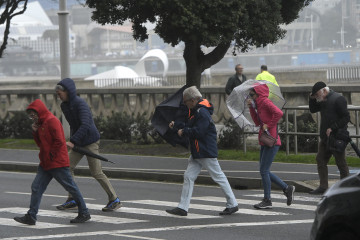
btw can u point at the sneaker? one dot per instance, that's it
(289, 193)
(69, 204)
(229, 211)
(318, 191)
(177, 211)
(27, 219)
(81, 218)
(264, 204)
(112, 205)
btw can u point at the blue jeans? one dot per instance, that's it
(42, 180)
(267, 155)
(193, 169)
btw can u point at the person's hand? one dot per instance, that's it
(265, 127)
(180, 132)
(70, 144)
(34, 127)
(171, 124)
(328, 131)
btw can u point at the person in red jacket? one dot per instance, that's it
(266, 115)
(54, 163)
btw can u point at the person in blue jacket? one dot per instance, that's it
(83, 133)
(201, 132)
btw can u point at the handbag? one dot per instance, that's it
(338, 142)
(267, 139)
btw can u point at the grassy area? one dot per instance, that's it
(168, 151)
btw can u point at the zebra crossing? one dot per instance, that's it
(133, 211)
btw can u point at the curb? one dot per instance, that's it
(238, 183)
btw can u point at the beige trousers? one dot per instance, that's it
(95, 168)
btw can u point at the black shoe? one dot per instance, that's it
(319, 190)
(229, 211)
(264, 204)
(81, 218)
(27, 219)
(177, 211)
(289, 193)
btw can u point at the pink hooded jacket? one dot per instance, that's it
(266, 111)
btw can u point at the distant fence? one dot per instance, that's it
(151, 81)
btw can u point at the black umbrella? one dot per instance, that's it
(171, 109)
(90, 154)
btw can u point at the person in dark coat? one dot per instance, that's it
(334, 118)
(201, 132)
(83, 133)
(54, 163)
(236, 79)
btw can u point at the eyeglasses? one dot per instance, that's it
(252, 94)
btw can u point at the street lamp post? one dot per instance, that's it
(311, 31)
(64, 52)
(64, 40)
(342, 32)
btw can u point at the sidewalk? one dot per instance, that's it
(241, 174)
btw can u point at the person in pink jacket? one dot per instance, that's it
(266, 115)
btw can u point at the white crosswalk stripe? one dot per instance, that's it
(252, 202)
(39, 225)
(71, 215)
(281, 196)
(151, 212)
(204, 207)
(209, 207)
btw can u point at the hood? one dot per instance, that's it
(262, 90)
(206, 104)
(40, 108)
(69, 85)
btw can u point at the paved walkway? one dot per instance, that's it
(241, 174)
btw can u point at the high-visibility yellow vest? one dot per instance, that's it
(265, 75)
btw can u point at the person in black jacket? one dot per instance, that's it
(83, 133)
(236, 79)
(201, 132)
(334, 118)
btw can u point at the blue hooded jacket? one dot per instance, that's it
(201, 131)
(82, 127)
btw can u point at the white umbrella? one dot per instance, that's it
(237, 105)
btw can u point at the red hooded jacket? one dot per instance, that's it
(266, 111)
(50, 138)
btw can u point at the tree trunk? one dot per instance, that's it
(192, 60)
(196, 61)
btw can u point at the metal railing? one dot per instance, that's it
(354, 113)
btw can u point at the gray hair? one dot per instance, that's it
(191, 93)
(59, 87)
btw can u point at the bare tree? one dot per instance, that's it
(10, 9)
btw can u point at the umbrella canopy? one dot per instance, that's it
(171, 109)
(237, 105)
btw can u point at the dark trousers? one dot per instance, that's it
(42, 180)
(322, 158)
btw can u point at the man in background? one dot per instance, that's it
(235, 80)
(265, 75)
